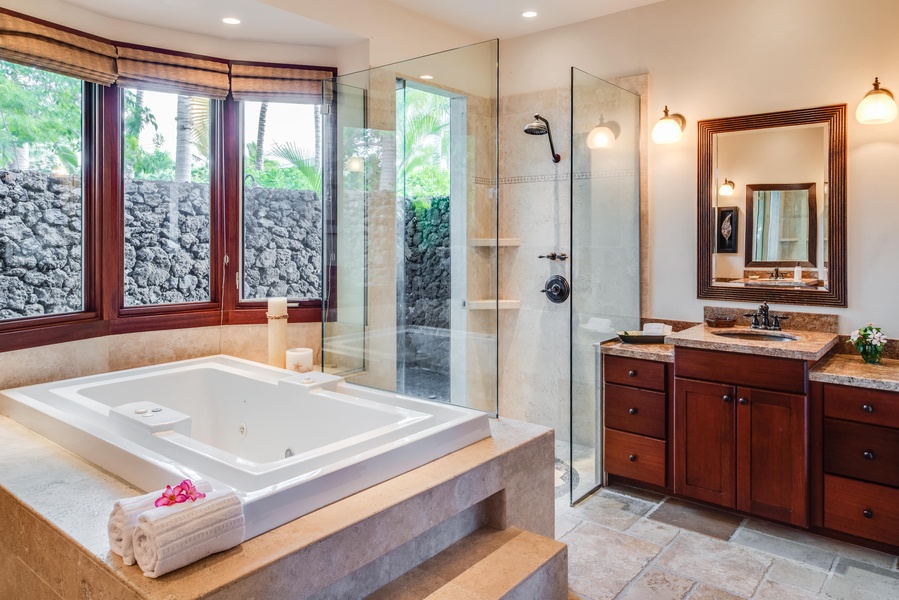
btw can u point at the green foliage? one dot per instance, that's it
(423, 137)
(40, 111)
(299, 172)
(155, 165)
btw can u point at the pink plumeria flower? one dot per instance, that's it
(191, 491)
(171, 496)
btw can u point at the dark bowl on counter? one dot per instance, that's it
(721, 321)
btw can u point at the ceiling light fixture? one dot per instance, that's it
(727, 188)
(428, 77)
(878, 106)
(529, 14)
(231, 21)
(669, 129)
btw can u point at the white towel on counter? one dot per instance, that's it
(170, 537)
(123, 519)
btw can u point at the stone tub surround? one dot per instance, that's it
(811, 345)
(125, 351)
(852, 370)
(657, 352)
(53, 524)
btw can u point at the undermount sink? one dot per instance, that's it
(760, 336)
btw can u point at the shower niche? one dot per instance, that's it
(410, 301)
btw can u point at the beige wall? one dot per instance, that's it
(720, 58)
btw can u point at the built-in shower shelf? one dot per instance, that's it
(494, 304)
(490, 242)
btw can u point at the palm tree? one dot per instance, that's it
(260, 136)
(184, 135)
(304, 162)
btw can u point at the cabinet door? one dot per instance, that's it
(704, 438)
(772, 455)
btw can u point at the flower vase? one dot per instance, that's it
(871, 353)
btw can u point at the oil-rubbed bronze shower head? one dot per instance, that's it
(540, 126)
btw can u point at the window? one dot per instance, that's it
(281, 238)
(166, 148)
(41, 208)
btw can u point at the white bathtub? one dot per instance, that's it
(288, 444)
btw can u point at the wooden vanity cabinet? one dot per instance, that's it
(861, 470)
(635, 409)
(740, 431)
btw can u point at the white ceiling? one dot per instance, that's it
(261, 22)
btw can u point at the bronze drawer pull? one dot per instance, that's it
(727, 398)
(868, 513)
(632, 373)
(744, 401)
(868, 408)
(632, 458)
(868, 454)
(632, 411)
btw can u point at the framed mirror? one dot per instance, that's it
(795, 214)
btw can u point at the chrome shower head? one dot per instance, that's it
(540, 126)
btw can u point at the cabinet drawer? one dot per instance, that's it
(863, 509)
(751, 370)
(635, 410)
(635, 372)
(635, 457)
(861, 451)
(863, 405)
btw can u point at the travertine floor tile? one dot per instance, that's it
(708, 521)
(705, 592)
(771, 590)
(855, 580)
(565, 523)
(653, 531)
(601, 561)
(624, 490)
(658, 585)
(731, 568)
(797, 575)
(879, 559)
(612, 510)
(809, 555)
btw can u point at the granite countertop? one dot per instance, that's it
(811, 345)
(850, 369)
(656, 352)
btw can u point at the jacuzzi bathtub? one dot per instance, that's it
(287, 443)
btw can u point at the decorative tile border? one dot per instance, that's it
(567, 176)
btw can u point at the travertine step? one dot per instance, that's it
(489, 564)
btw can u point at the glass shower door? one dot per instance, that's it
(410, 285)
(605, 243)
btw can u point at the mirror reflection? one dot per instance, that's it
(781, 225)
(771, 198)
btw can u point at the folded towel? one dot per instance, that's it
(656, 329)
(170, 537)
(124, 516)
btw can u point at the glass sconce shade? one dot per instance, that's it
(669, 129)
(878, 106)
(600, 137)
(727, 188)
(355, 164)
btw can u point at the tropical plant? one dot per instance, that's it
(299, 172)
(40, 115)
(423, 137)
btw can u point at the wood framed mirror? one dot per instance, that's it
(781, 225)
(778, 149)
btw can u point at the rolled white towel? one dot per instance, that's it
(123, 519)
(170, 537)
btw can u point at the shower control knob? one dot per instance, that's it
(556, 289)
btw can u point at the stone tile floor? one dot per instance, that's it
(635, 545)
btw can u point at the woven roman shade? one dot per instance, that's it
(161, 72)
(277, 84)
(32, 44)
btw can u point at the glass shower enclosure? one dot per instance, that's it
(605, 254)
(410, 274)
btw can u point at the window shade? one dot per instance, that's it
(157, 71)
(277, 84)
(32, 44)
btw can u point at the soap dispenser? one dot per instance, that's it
(797, 273)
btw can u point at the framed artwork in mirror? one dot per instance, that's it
(726, 230)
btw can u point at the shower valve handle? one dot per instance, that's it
(554, 256)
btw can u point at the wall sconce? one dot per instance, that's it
(878, 106)
(669, 129)
(355, 164)
(602, 136)
(727, 188)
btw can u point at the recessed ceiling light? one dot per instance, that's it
(231, 21)
(427, 77)
(529, 14)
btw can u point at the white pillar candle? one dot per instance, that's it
(299, 360)
(277, 331)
